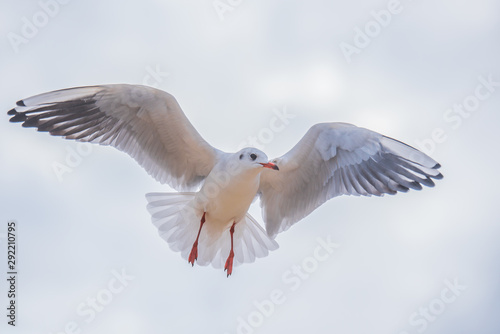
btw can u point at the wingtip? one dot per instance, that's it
(438, 177)
(20, 103)
(18, 118)
(402, 188)
(30, 122)
(436, 166)
(416, 185)
(12, 111)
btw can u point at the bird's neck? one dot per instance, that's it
(233, 182)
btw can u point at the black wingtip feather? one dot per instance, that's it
(438, 177)
(18, 118)
(30, 123)
(437, 166)
(402, 188)
(20, 103)
(415, 185)
(12, 111)
(428, 182)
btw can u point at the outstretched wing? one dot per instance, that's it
(335, 159)
(144, 122)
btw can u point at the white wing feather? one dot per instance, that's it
(335, 159)
(144, 122)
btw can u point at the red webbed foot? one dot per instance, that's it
(229, 261)
(194, 251)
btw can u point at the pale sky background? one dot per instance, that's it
(395, 253)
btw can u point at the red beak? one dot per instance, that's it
(270, 165)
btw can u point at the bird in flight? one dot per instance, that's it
(207, 221)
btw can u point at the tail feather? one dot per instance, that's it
(178, 224)
(164, 210)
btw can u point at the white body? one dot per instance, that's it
(226, 200)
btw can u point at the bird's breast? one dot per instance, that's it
(227, 199)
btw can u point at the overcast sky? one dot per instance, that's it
(424, 72)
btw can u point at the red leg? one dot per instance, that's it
(194, 251)
(229, 261)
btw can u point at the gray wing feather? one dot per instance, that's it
(144, 122)
(335, 159)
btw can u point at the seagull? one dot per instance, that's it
(207, 220)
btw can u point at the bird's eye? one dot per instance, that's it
(241, 156)
(253, 156)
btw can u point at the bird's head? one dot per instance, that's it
(254, 158)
